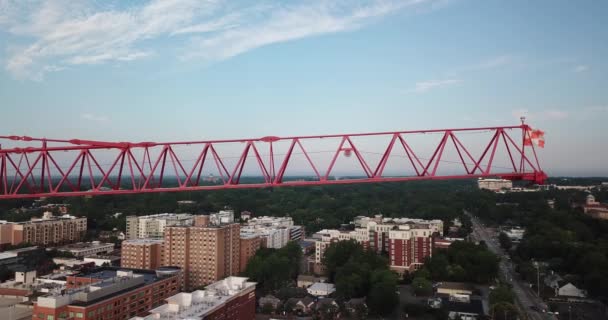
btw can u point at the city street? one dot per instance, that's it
(524, 295)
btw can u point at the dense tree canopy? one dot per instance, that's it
(313, 207)
(360, 273)
(273, 269)
(462, 261)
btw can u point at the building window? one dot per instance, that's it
(50, 317)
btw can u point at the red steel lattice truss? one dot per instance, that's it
(35, 172)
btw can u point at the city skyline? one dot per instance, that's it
(192, 70)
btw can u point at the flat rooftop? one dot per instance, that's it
(144, 241)
(197, 304)
(108, 276)
(85, 245)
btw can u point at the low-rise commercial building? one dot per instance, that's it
(231, 298)
(321, 289)
(85, 249)
(109, 293)
(102, 261)
(494, 184)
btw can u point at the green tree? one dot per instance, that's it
(326, 311)
(505, 241)
(383, 298)
(267, 308)
(501, 294)
(422, 286)
(359, 311)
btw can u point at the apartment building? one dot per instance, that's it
(153, 226)
(379, 227)
(407, 241)
(231, 298)
(408, 248)
(275, 231)
(109, 293)
(325, 238)
(44, 231)
(206, 254)
(249, 245)
(142, 253)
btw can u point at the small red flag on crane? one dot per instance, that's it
(536, 137)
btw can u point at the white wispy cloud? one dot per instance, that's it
(581, 68)
(94, 117)
(424, 86)
(597, 108)
(68, 33)
(494, 62)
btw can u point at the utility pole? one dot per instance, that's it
(537, 278)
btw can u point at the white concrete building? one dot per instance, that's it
(202, 304)
(321, 289)
(569, 290)
(153, 226)
(103, 260)
(222, 217)
(494, 184)
(515, 234)
(276, 231)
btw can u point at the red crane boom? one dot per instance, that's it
(35, 171)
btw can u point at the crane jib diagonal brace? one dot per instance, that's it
(37, 171)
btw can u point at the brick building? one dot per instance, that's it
(408, 248)
(248, 247)
(109, 293)
(44, 231)
(142, 253)
(407, 241)
(231, 298)
(206, 254)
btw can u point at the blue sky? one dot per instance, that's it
(191, 69)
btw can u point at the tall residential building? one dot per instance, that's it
(249, 245)
(325, 238)
(407, 241)
(109, 293)
(231, 298)
(44, 231)
(408, 248)
(380, 226)
(142, 253)
(153, 226)
(206, 254)
(276, 231)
